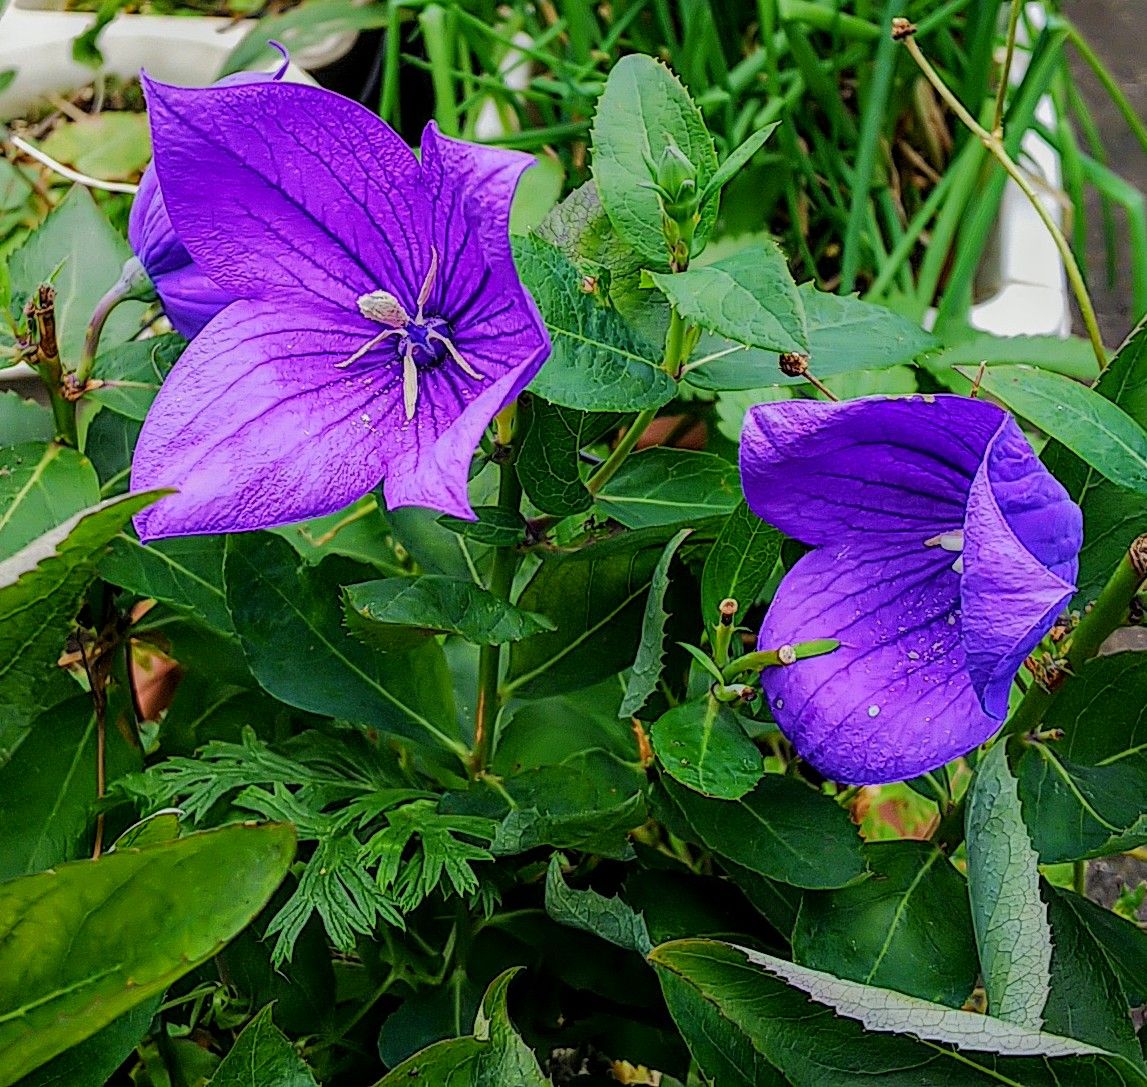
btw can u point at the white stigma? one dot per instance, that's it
(409, 381)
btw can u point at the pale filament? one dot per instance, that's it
(950, 541)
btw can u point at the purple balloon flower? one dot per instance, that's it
(380, 324)
(190, 297)
(943, 551)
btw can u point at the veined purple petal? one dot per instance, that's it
(284, 192)
(256, 426)
(190, 299)
(1022, 535)
(895, 699)
(149, 230)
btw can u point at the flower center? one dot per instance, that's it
(950, 541)
(424, 342)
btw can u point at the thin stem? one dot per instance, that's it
(620, 451)
(1005, 74)
(67, 172)
(994, 145)
(1079, 878)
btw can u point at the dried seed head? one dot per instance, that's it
(793, 363)
(1137, 553)
(728, 611)
(902, 28)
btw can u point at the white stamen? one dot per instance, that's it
(455, 354)
(384, 308)
(409, 381)
(428, 282)
(367, 346)
(949, 541)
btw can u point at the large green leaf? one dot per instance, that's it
(609, 918)
(1123, 942)
(820, 1031)
(80, 252)
(40, 591)
(122, 929)
(598, 362)
(391, 611)
(114, 145)
(1096, 430)
(740, 563)
(1112, 515)
(1010, 918)
(749, 298)
(23, 420)
(670, 486)
(908, 927)
(783, 830)
(702, 745)
(262, 1057)
(644, 110)
(41, 486)
(290, 623)
(130, 375)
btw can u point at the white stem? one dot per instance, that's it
(26, 148)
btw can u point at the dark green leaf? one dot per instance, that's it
(907, 927)
(651, 651)
(1073, 356)
(1009, 916)
(40, 487)
(598, 362)
(452, 1063)
(290, 624)
(740, 563)
(670, 486)
(644, 110)
(702, 745)
(494, 526)
(783, 830)
(749, 298)
(262, 1057)
(131, 924)
(609, 918)
(130, 375)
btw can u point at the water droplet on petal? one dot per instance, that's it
(873, 711)
(913, 655)
(779, 703)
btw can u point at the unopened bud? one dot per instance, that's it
(676, 176)
(728, 611)
(793, 363)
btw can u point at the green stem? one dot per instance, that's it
(132, 283)
(1107, 614)
(1079, 878)
(436, 33)
(1005, 74)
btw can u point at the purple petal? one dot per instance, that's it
(1022, 535)
(149, 230)
(285, 192)
(190, 299)
(823, 473)
(256, 426)
(895, 699)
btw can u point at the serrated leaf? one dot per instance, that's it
(642, 111)
(1094, 428)
(127, 935)
(598, 362)
(783, 830)
(395, 610)
(822, 1031)
(646, 669)
(907, 927)
(130, 375)
(262, 1057)
(670, 486)
(749, 298)
(1009, 916)
(702, 745)
(737, 161)
(41, 486)
(740, 563)
(609, 918)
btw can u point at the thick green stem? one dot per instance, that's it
(132, 283)
(1107, 614)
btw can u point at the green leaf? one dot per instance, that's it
(646, 670)
(113, 146)
(644, 110)
(783, 829)
(1009, 916)
(185, 572)
(262, 1057)
(24, 420)
(41, 588)
(41, 486)
(451, 1063)
(1112, 515)
(48, 787)
(1073, 356)
(845, 335)
(822, 1031)
(702, 745)
(549, 464)
(609, 918)
(737, 161)
(290, 623)
(594, 598)
(494, 526)
(390, 612)
(130, 375)
(670, 486)
(1086, 999)
(598, 362)
(749, 297)
(89, 254)
(907, 927)
(1096, 430)
(740, 563)
(131, 924)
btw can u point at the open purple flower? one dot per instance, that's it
(190, 297)
(943, 551)
(380, 324)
